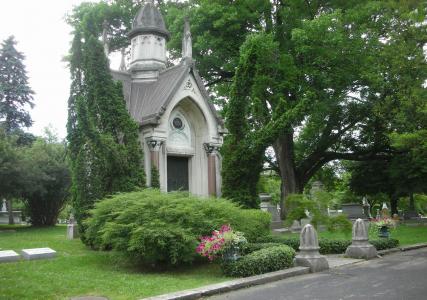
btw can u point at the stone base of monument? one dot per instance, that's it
(315, 262)
(366, 251)
(8, 256)
(72, 231)
(38, 253)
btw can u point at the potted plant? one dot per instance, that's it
(383, 226)
(224, 242)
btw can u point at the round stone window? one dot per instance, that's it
(177, 123)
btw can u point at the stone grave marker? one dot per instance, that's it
(38, 253)
(72, 229)
(309, 255)
(360, 246)
(8, 256)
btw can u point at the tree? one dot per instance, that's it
(46, 180)
(15, 94)
(11, 170)
(104, 149)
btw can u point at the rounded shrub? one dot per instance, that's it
(163, 229)
(262, 261)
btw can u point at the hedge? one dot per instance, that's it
(163, 229)
(328, 246)
(261, 261)
(383, 244)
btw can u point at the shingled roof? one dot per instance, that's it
(147, 101)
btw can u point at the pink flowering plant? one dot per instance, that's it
(384, 222)
(220, 242)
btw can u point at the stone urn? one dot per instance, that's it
(384, 232)
(231, 253)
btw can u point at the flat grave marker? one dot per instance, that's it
(38, 253)
(8, 256)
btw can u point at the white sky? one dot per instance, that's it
(44, 38)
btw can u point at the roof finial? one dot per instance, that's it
(187, 47)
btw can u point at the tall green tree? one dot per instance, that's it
(104, 149)
(46, 179)
(15, 98)
(15, 94)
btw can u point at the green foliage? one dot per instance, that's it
(261, 261)
(15, 94)
(248, 248)
(340, 223)
(104, 149)
(328, 246)
(317, 207)
(163, 229)
(382, 244)
(155, 179)
(11, 169)
(46, 181)
(270, 184)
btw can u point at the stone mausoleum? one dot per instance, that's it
(179, 128)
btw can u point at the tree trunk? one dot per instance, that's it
(10, 207)
(290, 183)
(394, 199)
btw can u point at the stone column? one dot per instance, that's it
(154, 145)
(211, 153)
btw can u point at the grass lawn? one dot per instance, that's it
(78, 271)
(407, 235)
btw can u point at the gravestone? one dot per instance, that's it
(72, 229)
(38, 253)
(360, 246)
(296, 226)
(267, 206)
(366, 208)
(8, 256)
(4, 207)
(309, 255)
(353, 210)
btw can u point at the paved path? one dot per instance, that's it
(400, 276)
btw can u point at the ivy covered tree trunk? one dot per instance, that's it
(290, 183)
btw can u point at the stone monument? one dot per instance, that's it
(366, 208)
(3, 207)
(269, 207)
(309, 255)
(360, 246)
(72, 229)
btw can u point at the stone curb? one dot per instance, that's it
(232, 285)
(413, 247)
(399, 249)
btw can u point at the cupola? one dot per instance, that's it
(148, 41)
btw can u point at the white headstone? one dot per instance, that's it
(8, 255)
(38, 253)
(3, 207)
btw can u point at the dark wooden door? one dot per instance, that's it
(177, 173)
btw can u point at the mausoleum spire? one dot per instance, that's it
(187, 46)
(148, 43)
